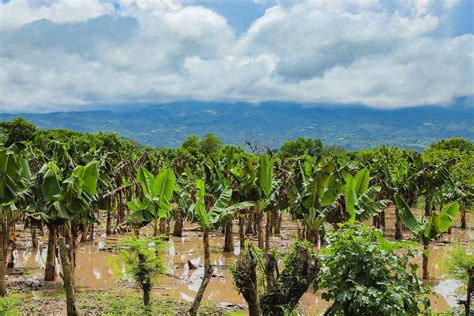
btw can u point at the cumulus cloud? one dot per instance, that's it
(62, 54)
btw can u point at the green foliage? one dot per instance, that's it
(143, 258)
(435, 225)
(300, 147)
(155, 202)
(221, 209)
(360, 198)
(9, 306)
(14, 172)
(17, 130)
(365, 274)
(460, 262)
(208, 145)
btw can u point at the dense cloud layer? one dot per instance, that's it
(67, 53)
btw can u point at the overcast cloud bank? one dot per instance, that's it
(66, 53)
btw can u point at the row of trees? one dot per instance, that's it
(70, 181)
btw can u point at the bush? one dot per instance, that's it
(143, 260)
(365, 274)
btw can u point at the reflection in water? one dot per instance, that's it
(94, 267)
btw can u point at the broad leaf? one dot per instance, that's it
(407, 216)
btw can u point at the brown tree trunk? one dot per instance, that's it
(246, 281)
(92, 233)
(260, 235)
(67, 278)
(268, 231)
(162, 226)
(34, 239)
(250, 219)
(146, 283)
(470, 292)
(3, 254)
(398, 226)
(241, 232)
(279, 220)
(425, 260)
(178, 225)
(463, 217)
(50, 271)
(11, 246)
(108, 225)
(84, 233)
(207, 275)
(228, 238)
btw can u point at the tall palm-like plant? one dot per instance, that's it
(155, 201)
(432, 226)
(14, 171)
(208, 217)
(360, 197)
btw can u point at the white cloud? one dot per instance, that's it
(19, 12)
(154, 51)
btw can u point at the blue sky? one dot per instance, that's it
(74, 54)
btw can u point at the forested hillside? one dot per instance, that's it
(270, 123)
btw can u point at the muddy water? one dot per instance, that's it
(98, 269)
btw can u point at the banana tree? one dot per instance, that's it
(431, 227)
(209, 217)
(402, 178)
(360, 198)
(155, 201)
(14, 171)
(264, 186)
(71, 201)
(317, 188)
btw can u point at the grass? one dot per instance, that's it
(97, 303)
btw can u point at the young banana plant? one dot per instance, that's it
(433, 226)
(360, 198)
(208, 219)
(157, 194)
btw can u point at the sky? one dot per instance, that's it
(60, 55)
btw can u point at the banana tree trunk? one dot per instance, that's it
(268, 231)
(50, 271)
(11, 246)
(207, 275)
(250, 220)
(178, 225)
(425, 259)
(108, 225)
(3, 254)
(241, 232)
(463, 216)
(162, 226)
(398, 226)
(84, 233)
(278, 221)
(260, 235)
(34, 239)
(228, 238)
(67, 278)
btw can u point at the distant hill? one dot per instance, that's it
(354, 127)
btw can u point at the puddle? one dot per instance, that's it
(95, 269)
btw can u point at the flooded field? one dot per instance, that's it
(98, 267)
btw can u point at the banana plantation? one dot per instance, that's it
(96, 224)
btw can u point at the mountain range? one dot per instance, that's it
(270, 123)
